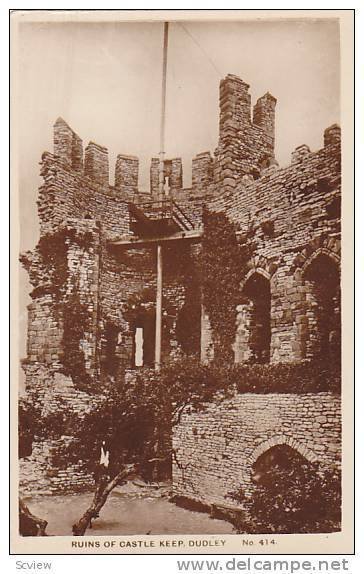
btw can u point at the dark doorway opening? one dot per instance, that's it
(324, 308)
(257, 290)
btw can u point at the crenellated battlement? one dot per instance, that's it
(173, 176)
(67, 145)
(264, 114)
(244, 153)
(93, 162)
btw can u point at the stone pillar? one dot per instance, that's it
(176, 175)
(126, 174)
(299, 154)
(97, 163)
(154, 177)
(332, 135)
(62, 141)
(202, 170)
(67, 145)
(264, 114)
(287, 302)
(242, 351)
(235, 104)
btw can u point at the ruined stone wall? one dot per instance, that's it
(291, 215)
(75, 194)
(44, 333)
(39, 475)
(287, 213)
(245, 147)
(215, 449)
(64, 264)
(51, 392)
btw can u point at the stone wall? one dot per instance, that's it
(202, 171)
(82, 199)
(126, 174)
(292, 216)
(173, 177)
(245, 147)
(215, 449)
(44, 333)
(53, 393)
(39, 475)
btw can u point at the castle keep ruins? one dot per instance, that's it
(96, 259)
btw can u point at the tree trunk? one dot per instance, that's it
(103, 489)
(29, 524)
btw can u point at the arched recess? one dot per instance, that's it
(253, 334)
(321, 252)
(279, 462)
(321, 276)
(320, 245)
(252, 271)
(262, 265)
(281, 440)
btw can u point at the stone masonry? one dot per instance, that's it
(290, 297)
(216, 449)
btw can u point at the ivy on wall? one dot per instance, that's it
(53, 249)
(110, 361)
(223, 266)
(68, 307)
(188, 323)
(75, 326)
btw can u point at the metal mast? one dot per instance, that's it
(158, 314)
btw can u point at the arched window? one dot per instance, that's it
(256, 317)
(322, 277)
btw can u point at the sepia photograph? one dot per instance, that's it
(183, 363)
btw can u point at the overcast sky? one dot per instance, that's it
(105, 81)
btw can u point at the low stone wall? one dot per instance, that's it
(53, 392)
(37, 474)
(215, 449)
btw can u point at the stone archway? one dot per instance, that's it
(321, 275)
(279, 440)
(280, 459)
(253, 334)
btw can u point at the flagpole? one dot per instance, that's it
(163, 114)
(158, 314)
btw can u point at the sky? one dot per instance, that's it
(104, 80)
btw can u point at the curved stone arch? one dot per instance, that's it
(317, 253)
(261, 266)
(251, 272)
(319, 246)
(278, 440)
